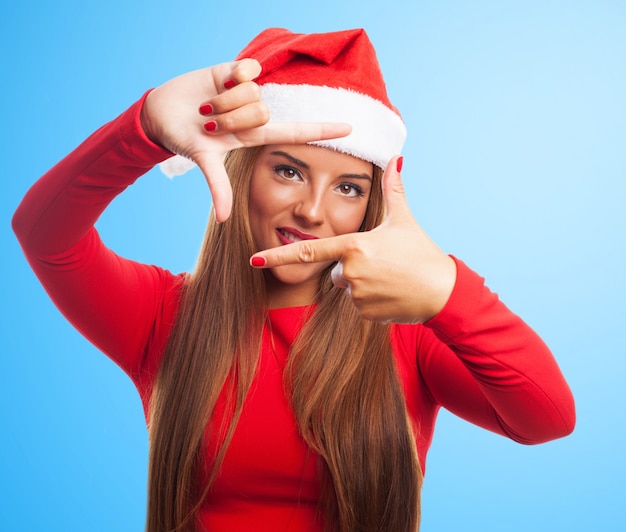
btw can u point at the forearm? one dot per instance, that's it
(523, 393)
(114, 302)
(65, 202)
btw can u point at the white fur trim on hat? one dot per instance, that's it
(177, 165)
(378, 133)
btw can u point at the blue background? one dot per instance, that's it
(515, 162)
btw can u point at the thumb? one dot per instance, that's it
(212, 166)
(394, 196)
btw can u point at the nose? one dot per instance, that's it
(310, 208)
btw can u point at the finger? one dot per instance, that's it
(304, 252)
(240, 95)
(296, 132)
(221, 191)
(240, 71)
(394, 195)
(249, 116)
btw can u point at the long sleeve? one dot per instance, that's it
(484, 363)
(480, 361)
(123, 307)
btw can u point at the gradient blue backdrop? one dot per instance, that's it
(515, 162)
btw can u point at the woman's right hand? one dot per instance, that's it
(204, 114)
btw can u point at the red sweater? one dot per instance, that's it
(475, 358)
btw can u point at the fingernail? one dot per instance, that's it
(206, 109)
(229, 84)
(257, 262)
(399, 163)
(211, 126)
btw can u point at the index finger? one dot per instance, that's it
(304, 252)
(294, 133)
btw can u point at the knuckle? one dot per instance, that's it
(253, 91)
(397, 187)
(262, 113)
(349, 273)
(227, 122)
(306, 253)
(248, 67)
(353, 269)
(252, 63)
(354, 245)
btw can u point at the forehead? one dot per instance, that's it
(318, 158)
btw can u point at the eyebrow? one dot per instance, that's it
(297, 161)
(293, 159)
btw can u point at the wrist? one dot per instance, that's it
(147, 124)
(442, 286)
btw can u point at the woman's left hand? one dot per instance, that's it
(393, 273)
(205, 113)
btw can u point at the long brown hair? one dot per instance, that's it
(346, 394)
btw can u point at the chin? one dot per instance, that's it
(299, 274)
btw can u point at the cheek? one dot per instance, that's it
(255, 201)
(260, 205)
(266, 199)
(349, 219)
(255, 216)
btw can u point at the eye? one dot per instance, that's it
(287, 172)
(350, 190)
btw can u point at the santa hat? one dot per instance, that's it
(332, 77)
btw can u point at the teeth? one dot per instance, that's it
(290, 236)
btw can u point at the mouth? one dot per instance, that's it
(289, 235)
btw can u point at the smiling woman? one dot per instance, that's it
(300, 393)
(303, 193)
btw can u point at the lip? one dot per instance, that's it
(291, 230)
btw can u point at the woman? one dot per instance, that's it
(292, 388)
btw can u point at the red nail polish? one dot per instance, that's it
(230, 84)
(211, 126)
(257, 262)
(399, 163)
(206, 109)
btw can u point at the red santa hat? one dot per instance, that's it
(329, 77)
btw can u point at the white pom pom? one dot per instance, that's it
(176, 165)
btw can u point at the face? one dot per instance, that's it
(300, 192)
